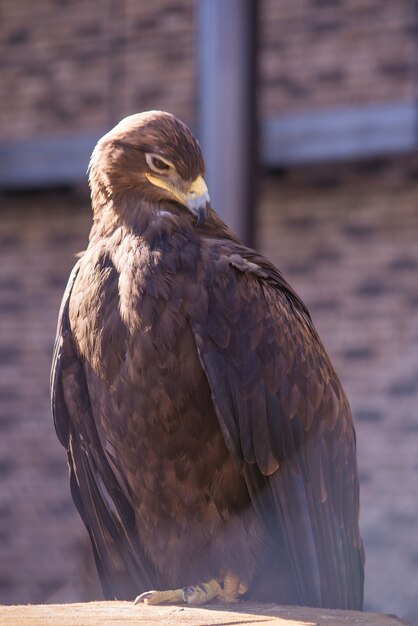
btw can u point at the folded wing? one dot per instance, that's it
(286, 422)
(103, 504)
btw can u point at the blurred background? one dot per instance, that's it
(307, 113)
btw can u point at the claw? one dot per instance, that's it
(172, 596)
(226, 589)
(201, 594)
(144, 597)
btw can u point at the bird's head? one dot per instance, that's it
(154, 155)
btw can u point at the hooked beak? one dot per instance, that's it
(195, 198)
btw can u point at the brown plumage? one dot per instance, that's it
(206, 429)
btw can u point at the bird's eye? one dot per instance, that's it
(157, 164)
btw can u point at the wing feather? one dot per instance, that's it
(97, 490)
(286, 423)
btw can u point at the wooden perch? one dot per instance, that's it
(125, 613)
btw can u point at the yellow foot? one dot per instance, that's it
(232, 587)
(226, 589)
(202, 594)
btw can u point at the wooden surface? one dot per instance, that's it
(125, 613)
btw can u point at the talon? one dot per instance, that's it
(145, 597)
(173, 596)
(243, 588)
(201, 594)
(187, 592)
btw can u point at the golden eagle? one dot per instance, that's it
(210, 443)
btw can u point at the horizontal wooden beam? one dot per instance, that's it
(125, 613)
(46, 161)
(348, 133)
(344, 133)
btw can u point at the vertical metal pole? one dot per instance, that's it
(226, 126)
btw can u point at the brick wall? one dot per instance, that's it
(328, 53)
(80, 66)
(41, 535)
